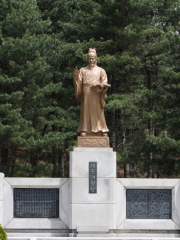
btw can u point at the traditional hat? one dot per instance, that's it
(92, 51)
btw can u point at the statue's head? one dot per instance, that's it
(92, 57)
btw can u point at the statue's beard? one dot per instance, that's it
(92, 64)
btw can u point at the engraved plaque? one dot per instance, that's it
(148, 203)
(92, 177)
(36, 203)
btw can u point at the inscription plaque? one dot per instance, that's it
(148, 203)
(92, 177)
(36, 203)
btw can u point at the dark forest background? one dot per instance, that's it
(138, 44)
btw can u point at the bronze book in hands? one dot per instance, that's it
(100, 87)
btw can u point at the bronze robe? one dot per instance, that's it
(92, 117)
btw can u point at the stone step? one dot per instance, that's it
(90, 238)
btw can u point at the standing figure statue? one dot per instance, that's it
(90, 87)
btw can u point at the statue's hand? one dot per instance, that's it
(76, 72)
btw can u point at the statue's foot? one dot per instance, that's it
(83, 134)
(104, 134)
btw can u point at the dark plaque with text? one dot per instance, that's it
(92, 177)
(148, 203)
(36, 203)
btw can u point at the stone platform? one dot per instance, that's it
(102, 214)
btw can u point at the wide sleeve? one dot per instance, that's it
(78, 84)
(104, 81)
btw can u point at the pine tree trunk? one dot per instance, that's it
(13, 156)
(54, 154)
(150, 173)
(4, 155)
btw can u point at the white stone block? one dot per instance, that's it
(51, 238)
(40, 235)
(20, 238)
(92, 149)
(8, 202)
(176, 204)
(92, 214)
(36, 182)
(97, 236)
(1, 185)
(1, 198)
(87, 228)
(162, 235)
(1, 213)
(105, 191)
(149, 224)
(105, 158)
(148, 183)
(64, 202)
(93, 231)
(120, 204)
(31, 223)
(35, 223)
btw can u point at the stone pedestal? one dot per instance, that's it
(92, 211)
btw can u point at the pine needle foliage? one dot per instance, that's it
(41, 41)
(3, 235)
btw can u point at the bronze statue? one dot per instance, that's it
(90, 87)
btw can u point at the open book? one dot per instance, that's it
(100, 87)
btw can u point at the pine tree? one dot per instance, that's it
(137, 43)
(30, 60)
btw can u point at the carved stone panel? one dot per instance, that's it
(93, 141)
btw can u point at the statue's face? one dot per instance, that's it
(92, 60)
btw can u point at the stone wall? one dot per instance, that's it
(82, 213)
